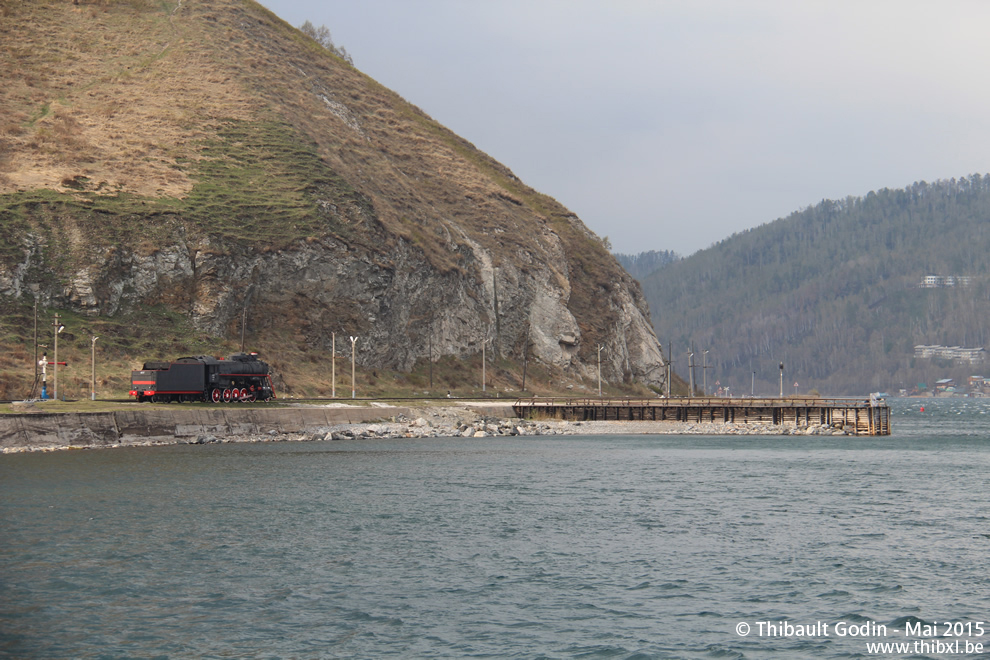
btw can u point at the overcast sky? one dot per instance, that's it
(673, 125)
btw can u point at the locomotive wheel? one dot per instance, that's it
(248, 396)
(215, 395)
(226, 396)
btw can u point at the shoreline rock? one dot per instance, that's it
(412, 423)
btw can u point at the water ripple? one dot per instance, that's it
(596, 547)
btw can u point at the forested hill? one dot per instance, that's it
(642, 264)
(835, 292)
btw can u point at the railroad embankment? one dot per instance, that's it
(30, 430)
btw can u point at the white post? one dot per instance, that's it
(93, 378)
(704, 373)
(484, 378)
(353, 351)
(333, 365)
(691, 370)
(58, 329)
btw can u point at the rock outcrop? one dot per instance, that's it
(273, 181)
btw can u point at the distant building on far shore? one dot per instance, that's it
(945, 281)
(954, 353)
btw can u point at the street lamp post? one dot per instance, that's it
(691, 371)
(704, 372)
(58, 328)
(752, 387)
(353, 351)
(333, 365)
(600, 347)
(781, 380)
(92, 382)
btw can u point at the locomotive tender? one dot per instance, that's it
(241, 377)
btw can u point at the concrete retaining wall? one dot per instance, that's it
(154, 425)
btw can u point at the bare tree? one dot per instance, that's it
(321, 35)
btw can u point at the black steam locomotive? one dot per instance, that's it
(241, 377)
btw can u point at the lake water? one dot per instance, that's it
(545, 547)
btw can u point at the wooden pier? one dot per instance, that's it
(865, 416)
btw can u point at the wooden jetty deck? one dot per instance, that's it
(863, 416)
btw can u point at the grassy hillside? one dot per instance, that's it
(833, 292)
(136, 126)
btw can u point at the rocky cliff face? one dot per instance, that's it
(302, 194)
(394, 306)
